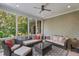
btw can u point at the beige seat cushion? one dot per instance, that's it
(30, 42)
(55, 38)
(15, 47)
(60, 40)
(22, 51)
(49, 40)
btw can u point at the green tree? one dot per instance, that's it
(22, 25)
(1, 34)
(7, 23)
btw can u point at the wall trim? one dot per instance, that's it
(62, 14)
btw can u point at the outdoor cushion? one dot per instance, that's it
(14, 47)
(30, 42)
(37, 37)
(9, 43)
(60, 40)
(19, 39)
(47, 37)
(22, 51)
(49, 40)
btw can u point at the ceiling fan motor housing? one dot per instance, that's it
(42, 8)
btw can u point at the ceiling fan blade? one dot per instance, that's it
(47, 9)
(37, 8)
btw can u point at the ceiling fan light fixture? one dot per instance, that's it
(68, 6)
(17, 6)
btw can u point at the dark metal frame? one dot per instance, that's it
(44, 50)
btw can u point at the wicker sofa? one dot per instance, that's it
(18, 42)
(58, 40)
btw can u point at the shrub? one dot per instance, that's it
(1, 34)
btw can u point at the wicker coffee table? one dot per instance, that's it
(43, 47)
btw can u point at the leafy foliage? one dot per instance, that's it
(22, 25)
(1, 34)
(8, 24)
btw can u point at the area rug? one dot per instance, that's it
(56, 51)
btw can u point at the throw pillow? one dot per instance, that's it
(47, 37)
(9, 43)
(37, 37)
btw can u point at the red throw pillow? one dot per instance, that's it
(9, 43)
(37, 37)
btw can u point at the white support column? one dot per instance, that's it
(28, 27)
(36, 26)
(16, 25)
(42, 27)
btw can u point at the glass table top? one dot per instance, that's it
(43, 45)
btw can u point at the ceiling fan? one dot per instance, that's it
(43, 8)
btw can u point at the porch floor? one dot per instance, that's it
(54, 53)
